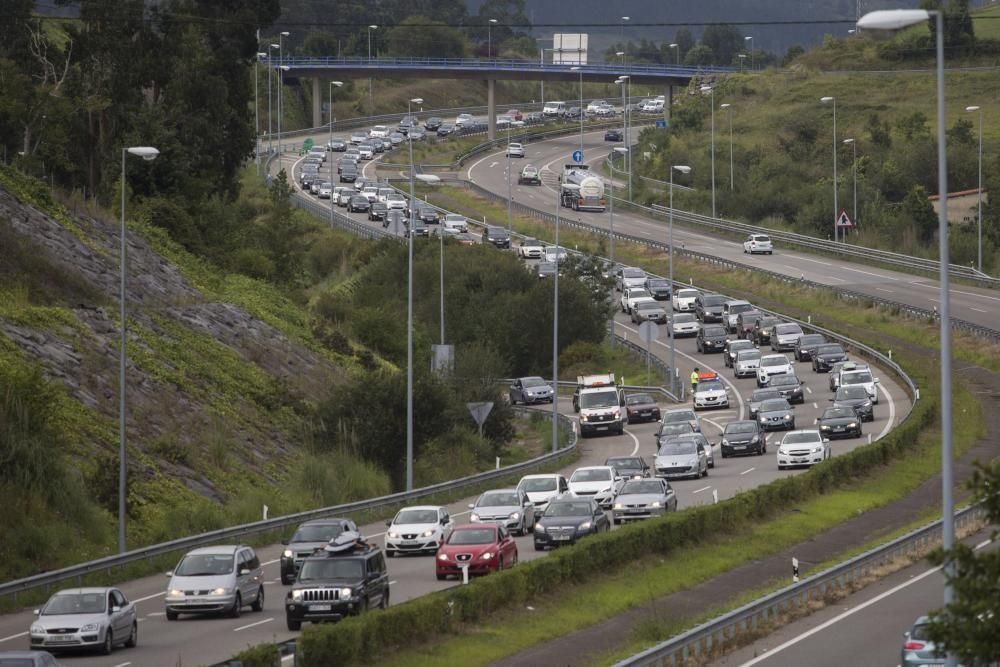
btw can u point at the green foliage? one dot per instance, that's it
(262, 655)
(917, 210)
(419, 37)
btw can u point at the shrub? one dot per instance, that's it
(263, 655)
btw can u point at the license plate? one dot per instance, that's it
(562, 538)
(646, 414)
(320, 607)
(635, 511)
(739, 446)
(62, 639)
(838, 428)
(409, 541)
(602, 428)
(800, 460)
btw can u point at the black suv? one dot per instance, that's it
(332, 586)
(711, 338)
(498, 236)
(708, 307)
(309, 537)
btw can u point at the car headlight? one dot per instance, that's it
(428, 533)
(788, 416)
(619, 506)
(90, 627)
(287, 553)
(655, 503)
(617, 414)
(817, 449)
(584, 526)
(221, 591)
(488, 555)
(442, 556)
(37, 630)
(756, 438)
(852, 425)
(539, 528)
(763, 419)
(392, 534)
(296, 595)
(583, 418)
(346, 593)
(474, 517)
(175, 593)
(824, 427)
(514, 516)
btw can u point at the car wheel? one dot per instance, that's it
(237, 609)
(109, 643)
(705, 474)
(384, 602)
(133, 639)
(172, 615)
(500, 565)
(294, 626)
(442, 577)
(617, 522)
(539, 547)
(258, 604)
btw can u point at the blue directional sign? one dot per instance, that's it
(661, 124)
(577, 156)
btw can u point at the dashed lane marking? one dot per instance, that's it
(17, 636)
(253, 625)
(704, 488)
(747, 471)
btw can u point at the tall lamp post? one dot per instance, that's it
(256, 113)
(270, 134)
(579, 68)
(979, 264)
(684, 169)
(371, 98)
(742, 58)
(555, 332)
(749, 38)
(409, 309)
(729, 110)
(677, 53)
(510, 196)
(892, 20)
(329, 144)
(627, 154)
(489, 38)
(836, 208)
(711, 91)
(282, 68)
(854, 165)
(147, 153)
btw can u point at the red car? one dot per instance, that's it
(484, 547)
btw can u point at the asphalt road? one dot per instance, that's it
(863, 630)
(195, 640)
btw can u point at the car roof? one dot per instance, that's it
(592, 468)
(89, 589)
(220, 549)
(422, 507)
(541, 475)
(324, 522)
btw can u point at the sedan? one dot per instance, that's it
(85, 618)
(567, 520)
(648, 311)
(788, 386)
(681, 458)
(377, 211)
(744, 436)
(711, 338)
(771, 365)
(643, 499)
(683, 324)
(806, 345)
(337, 145)
(510, 508)
(733, 347)
(747, 362)
(359, 204)
(803, 448)
(613, 135)
(396, 138)
(482, 548)
(776, 414)
(680, 415)
(711, 393)
(785, 336)
(856, 398)
(428, 215)
(419, 529)
(530, 176)
(658, 288)
(28, 659)
(629, 467)
(598, 482)
(758, 397)
(826, 356)
(445, 129)
(641, 408)
(419, 228)
(515, 150)
(839, 423)
(359, 137)
(684, 300)
(546, 269)
(530, 390)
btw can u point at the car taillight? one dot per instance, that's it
(913, 646)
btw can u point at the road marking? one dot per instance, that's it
(270, 562)
(815, 406)
(839, 280)
(391, 583)
(884, 290)
(867, 273)
(713, 423)
(150, 597)
(808, 390)
(634, 439)
(850, 612)
(935, 300)
(978, 310)
(18, 635)
(123, 664)
(704, 488)
(253, 625)
(981, 296)
(892, 411)
(815, 261)
(493, 164)
(156, 613)
(747, 471)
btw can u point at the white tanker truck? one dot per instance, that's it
(581, 190)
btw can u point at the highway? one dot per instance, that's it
(196, 640)
(862, 630)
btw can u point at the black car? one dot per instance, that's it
(309, 537)
(568, 519)
(658, 288)
(446, 129)
(758, 397)
(498, 236)
(332, 586)
(358, 204)
(743, 437)
(762, 329)
(776, 413)
(826, 356)
(349, 173)
(613, 135)
(432, 124)
(641, 408)
(428, 215)
(395, 221)
(378, 210)
(711, 338)
(806, 345)
(733, 347)
(855, 396)
(629, 466)
(788, 386)
(419, 228)
(708, 307)
(842, 422)
(337, 145)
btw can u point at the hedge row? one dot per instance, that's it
(358, 639)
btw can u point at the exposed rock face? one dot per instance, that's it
(83, 353)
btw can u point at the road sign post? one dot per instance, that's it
(844, 221)
(479, 412)
(661, 124)
(648, 332)
(578, 156)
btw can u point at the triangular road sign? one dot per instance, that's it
(844, 220)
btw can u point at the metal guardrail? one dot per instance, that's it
(710, 639)
(239, 532)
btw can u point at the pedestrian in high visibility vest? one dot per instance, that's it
(694, 382)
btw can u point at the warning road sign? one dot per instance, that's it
(844, 220)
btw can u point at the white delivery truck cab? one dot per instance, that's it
(554, 109)
(600, 401)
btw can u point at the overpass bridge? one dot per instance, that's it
(489, 70)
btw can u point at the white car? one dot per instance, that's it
(325, 190)
(359, 137)
(758, 243)
(419, 529)
(711, 393)
(683, 300)
(556, 254)
(601, 483)
(746, 363)
(371, 194)
(805, 448)
(515, 150)
(383, 193)
(653, 106)
(366, 152)
(395, 201)
(773, 364)
(463, 118)
(857, 374)
(631, 295)
(455, 223)
(683, 324)
(785, 335)
(595, 105)
(379, 132)
(530, 248)
(543, 488)
(344, 197)
(318, 153)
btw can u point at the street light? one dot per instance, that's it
(854, 163)
(729, 110)
(256, 113)
(510, 197)
(489, 41)
(579, 69)
(329, 144)
(148, 154)
(409, 308)
(836, 209)
(677, 53)
(749, 38)
(684, 169)
(371, 99)
(270, 135)
(611, 216)
(281, 69)
(891, 20)
(742, 57)
(627, 157)
(710, 89)
(974, 109)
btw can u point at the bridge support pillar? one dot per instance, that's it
(491, 106)
(317, 103)
(668, 97)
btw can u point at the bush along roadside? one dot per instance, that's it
(356, 640)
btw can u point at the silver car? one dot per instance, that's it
(681, 458)
(80, 618)
(530, 390)
(642, 499)
(511, 508)
(746, 363)
(917, 649)
(219, 579)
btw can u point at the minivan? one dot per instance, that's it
(554, 109)
(221, 579)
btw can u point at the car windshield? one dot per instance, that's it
(773, 361)
(633, 273)
(642, 486)
(599, 399)
(919, 632)
(546, 267)
(637, 293)
(713, 331)
(530, 242)
(829, 349)
(768, 322)
(687, 294)
(784, 380)
(648, 305)
(591, 475)
(739, 308)
(849, 393)
(762, 239)
(679, 428)
(638, 399)
(332, 568)
(684, 318)
(538, 484)
(711, 385)
(798, 437)
(533, 382)
(678, 448)
(838, 413)
(497, 500)
(416, 516)
(740, 427)
(764, 394)
(473, 536)
(774, 405)
(568, 509)
(204, 565)
(856, 377)
(679, 416)
(316, 533)
(75, 603)
(783, 329)
(748, 355)
(625, 463)
(658, 284)
(713, 300)
(811, 339)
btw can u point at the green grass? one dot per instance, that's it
(986, 22)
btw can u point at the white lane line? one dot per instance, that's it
(935, 300)
(815, 261)
(867, 273)
(892, 411)
(635, 440)
(815, 406)
(270, 562)
(392, 583)
(808, 390)
(713, 423)
(978, 310)
(17, 636)
(253, 625)
(149, 597)
(884, 290)
(123, 664)
(747, 471)
(156, 613)
(850, 612)
(981, 296)
(839, 280)
(704, 488)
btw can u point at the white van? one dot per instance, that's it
(554, 109)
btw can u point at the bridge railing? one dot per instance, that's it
(352, 62)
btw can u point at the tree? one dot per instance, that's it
(420, 37)
(507, 13)
(917, 210)
(684, 41)
(970, 624)
(725, 40)
(700, 54)
(962, 133)
(283, 236)
(878, 131)
(791, 54)
(913, 125)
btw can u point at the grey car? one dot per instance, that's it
(806, 345)
(776, 414)
(681, 458)
(671, 429)
(826, 356)
(744, 436)
(85, 618)
(220, 579)
(643, 499)
(649, 311)
(568, 519)
(28, 659)
(918, 650)
(711, 338)
(530, 390)
(747, 362)
(511, 508)
(309, 537)
(734, 347)
(758, 397)
(789, 386)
